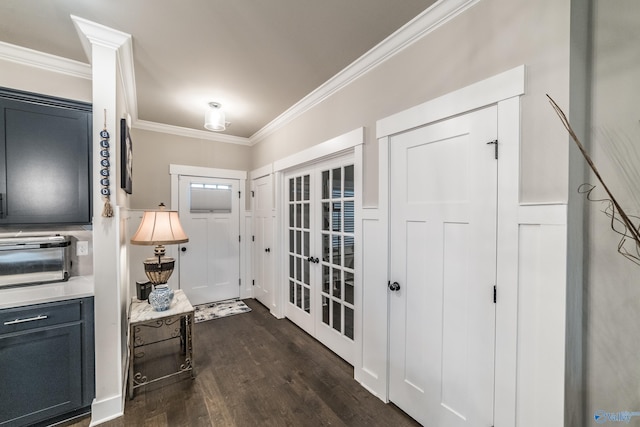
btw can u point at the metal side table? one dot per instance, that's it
(172, 324)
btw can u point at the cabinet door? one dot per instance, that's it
(44, 164)
(41, 373)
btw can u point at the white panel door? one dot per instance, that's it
(443, 270)
(210, 261)
(263, 256)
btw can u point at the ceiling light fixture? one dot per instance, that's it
(214, 118)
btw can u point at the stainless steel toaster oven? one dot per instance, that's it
(34, 260)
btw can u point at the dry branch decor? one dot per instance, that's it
(621, 222)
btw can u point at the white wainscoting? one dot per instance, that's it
(542, 248)
(370, 368)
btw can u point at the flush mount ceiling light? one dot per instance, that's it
(214, 118)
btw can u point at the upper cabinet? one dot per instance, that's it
(45, 160)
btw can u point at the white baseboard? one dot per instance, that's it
(106, 409)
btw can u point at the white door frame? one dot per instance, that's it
(176, 170)
(350, 141)
(503, 90)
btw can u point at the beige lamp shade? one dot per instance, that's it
(160, 228)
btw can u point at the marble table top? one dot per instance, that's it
(141, 311)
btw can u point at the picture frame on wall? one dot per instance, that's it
(126, 158)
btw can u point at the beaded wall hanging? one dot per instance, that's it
(105, 165)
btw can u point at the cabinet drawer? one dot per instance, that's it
(40, 315)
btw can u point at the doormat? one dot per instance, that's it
(216, 310)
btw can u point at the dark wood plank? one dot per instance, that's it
(253, 369)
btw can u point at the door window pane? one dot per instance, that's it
(337, 316)
(305, 216)
(305, 189)
(348, 181)
(348, 322)
(306, 272)
(291, 190)
(299, 188)
(292, 242)
(210, 198)
(336, 216)
(336, 186)
(325, 185)
(298, 215)
(326, 220)
(306, 244)
(292, 216)
(325, 310)
(326, 278)
(292, 292)
(326, 248)
(348, 287)
(348, 251)
(349, 217)
(336, 250)
(306, 299)
(337, 284)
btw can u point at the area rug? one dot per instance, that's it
(216, 310)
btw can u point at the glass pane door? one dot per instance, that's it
(299, 230)
(337, 293)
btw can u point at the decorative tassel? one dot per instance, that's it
(107, 210)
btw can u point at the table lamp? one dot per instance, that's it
(159, 227)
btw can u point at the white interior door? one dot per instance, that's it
(210, 261)
(320, 239)
(443, 208)
(263, 255)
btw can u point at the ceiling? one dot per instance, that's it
(257, 58)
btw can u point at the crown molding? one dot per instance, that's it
(34, 58)
(423, 24)
(190, 133)
(92, 33)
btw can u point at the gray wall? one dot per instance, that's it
(493, 36)
(613, 286)
(153, 152)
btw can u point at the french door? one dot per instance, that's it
(320, 243)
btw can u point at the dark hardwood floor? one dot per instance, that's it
(255, 370)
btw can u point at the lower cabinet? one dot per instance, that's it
(46, 362)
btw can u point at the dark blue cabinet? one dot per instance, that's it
(46, 362)
(45, 152)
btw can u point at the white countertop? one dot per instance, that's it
(142, 311)
(75, 287)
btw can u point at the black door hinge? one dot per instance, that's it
(239, 194)
(253, 283)
(239, 282)
(253, 238)
(495, 294)
(239, 238)
(495, 145)
(253, 194)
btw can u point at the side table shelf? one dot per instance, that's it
(176, 323)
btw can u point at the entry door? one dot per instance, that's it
(263, 255)
(320, 236)
(210, 261)
(443, 270)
